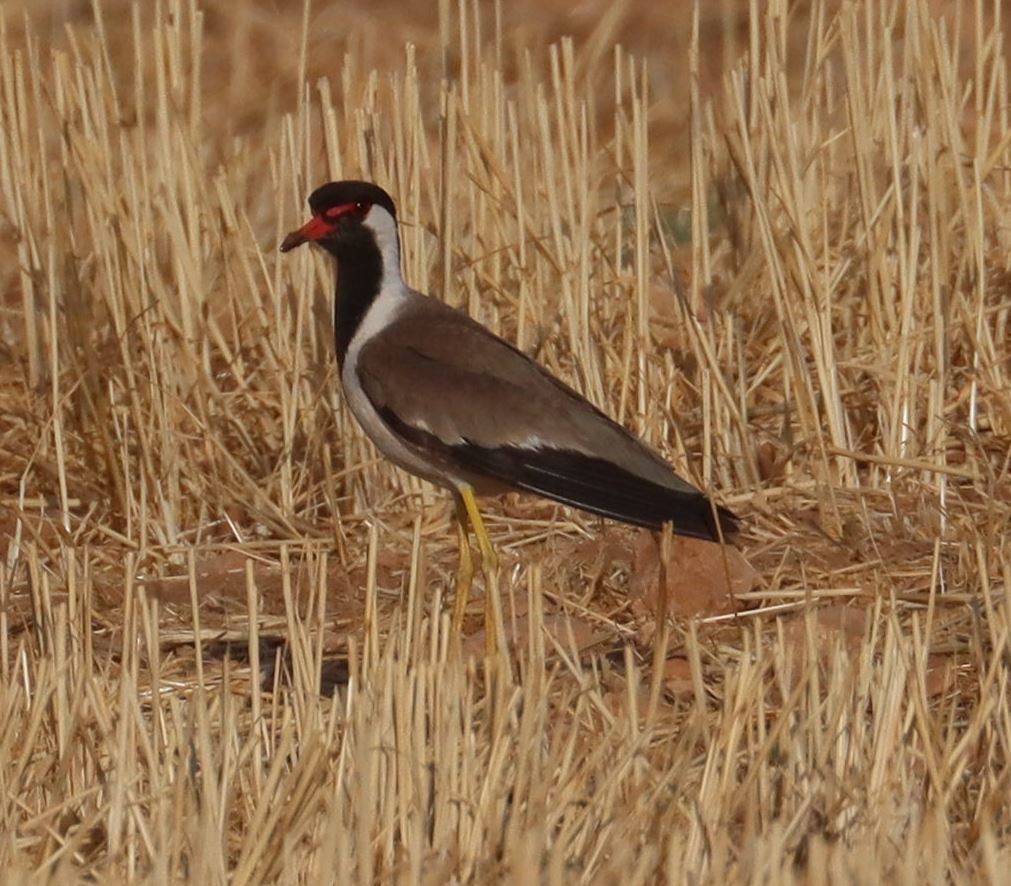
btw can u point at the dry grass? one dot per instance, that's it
(222, 621)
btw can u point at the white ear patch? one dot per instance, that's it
(385, 228)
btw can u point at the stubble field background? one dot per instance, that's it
(771, 238)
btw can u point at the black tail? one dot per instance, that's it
(583, 481)
(600, 487)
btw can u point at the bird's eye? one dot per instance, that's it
(356, 209)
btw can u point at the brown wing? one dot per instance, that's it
(474, 402)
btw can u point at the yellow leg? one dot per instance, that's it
(464, 572)
(493, 627)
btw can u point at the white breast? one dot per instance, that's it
(392, 298)
(381, 313)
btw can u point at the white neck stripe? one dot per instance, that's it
(384, 226)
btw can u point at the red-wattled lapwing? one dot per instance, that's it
(450, 401)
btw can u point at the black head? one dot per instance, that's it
(338, 212)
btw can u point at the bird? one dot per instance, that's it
(448, 400)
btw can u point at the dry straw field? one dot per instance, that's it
(772, 239)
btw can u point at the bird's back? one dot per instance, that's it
(468, 398)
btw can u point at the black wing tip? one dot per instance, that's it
(586, 482)
(599, 486)
(689, 514)
(709, 522)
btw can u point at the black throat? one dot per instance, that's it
(359, 279)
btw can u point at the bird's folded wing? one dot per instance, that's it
(470, 400)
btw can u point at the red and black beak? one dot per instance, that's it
(315, 229)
